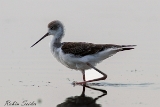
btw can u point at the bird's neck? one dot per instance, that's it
(56, 41)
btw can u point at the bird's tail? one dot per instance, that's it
(127, 47)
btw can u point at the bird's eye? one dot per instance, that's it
(55, 27)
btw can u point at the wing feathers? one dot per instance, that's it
(83, 49)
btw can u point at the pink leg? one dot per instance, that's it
(97, 79)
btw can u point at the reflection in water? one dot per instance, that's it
(82, 100)
(120, 84)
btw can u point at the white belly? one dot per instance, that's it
(79, 63)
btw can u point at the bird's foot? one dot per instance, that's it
(78, 83)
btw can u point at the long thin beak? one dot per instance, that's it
(40, 39)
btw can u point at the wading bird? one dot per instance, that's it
(80, 55)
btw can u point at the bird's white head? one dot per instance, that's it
(56, 29)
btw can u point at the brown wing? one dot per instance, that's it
(83, 49)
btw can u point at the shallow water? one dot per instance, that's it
(54, 89)
(32, 75)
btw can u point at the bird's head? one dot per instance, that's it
(55, 28)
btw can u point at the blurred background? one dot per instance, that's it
(24, 70)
